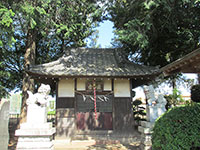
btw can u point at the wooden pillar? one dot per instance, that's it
(113, 102)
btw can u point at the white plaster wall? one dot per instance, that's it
(81, 84)
(107, 85)
(66, 88)
(122, 88)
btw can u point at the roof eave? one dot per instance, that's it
(148, 76)
(180, 64)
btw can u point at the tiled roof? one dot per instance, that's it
(190, 63)
(88, 62)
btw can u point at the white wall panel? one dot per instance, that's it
(122, 88)
(107, 85)
(66, 88)
(81, 84)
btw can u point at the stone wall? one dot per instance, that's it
(4, 119)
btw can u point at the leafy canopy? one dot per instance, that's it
(177, 129)
(156, 31)
(57, 24)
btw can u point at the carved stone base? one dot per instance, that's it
(35, 136)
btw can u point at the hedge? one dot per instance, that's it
(195, 93)
(178, 129)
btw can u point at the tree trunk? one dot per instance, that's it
(173, 79)
(29, 59)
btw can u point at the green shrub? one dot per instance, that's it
(173, 99)
(178, 129)
(138, 111)
(195, 93)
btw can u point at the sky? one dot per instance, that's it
(105, 34)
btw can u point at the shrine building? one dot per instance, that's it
(93, 89)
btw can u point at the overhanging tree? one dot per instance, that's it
(44, 28)
(157, 31)
(6, 39)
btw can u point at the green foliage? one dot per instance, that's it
(51, 112)
(174, 98)
(70, 24)
(57, 24)
(158, 31)
(178, 129)
(3, 91)
(6, 39)
(6, 20)
(76, 19)
(6, 16)
(138, 111)
(195, 93)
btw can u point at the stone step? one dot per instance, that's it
(41, 126)
(34, 145)
(109, 136)
(109, 133)
(38, 133)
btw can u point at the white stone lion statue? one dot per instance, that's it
(155, 106)
(149, 92)
(37, 104)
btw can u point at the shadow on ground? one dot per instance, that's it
(113, 147)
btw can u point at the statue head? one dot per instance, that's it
(44, 89)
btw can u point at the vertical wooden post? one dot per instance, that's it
(75, 101)
(113, 102)
(57, 82)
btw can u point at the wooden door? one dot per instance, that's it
(85, 115)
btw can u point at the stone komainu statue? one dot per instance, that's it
(37, 104)
(156, 106)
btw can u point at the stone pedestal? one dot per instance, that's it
(151, 113)
(35, 136)
(36, 133)
(146, 130)
(36, 114)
